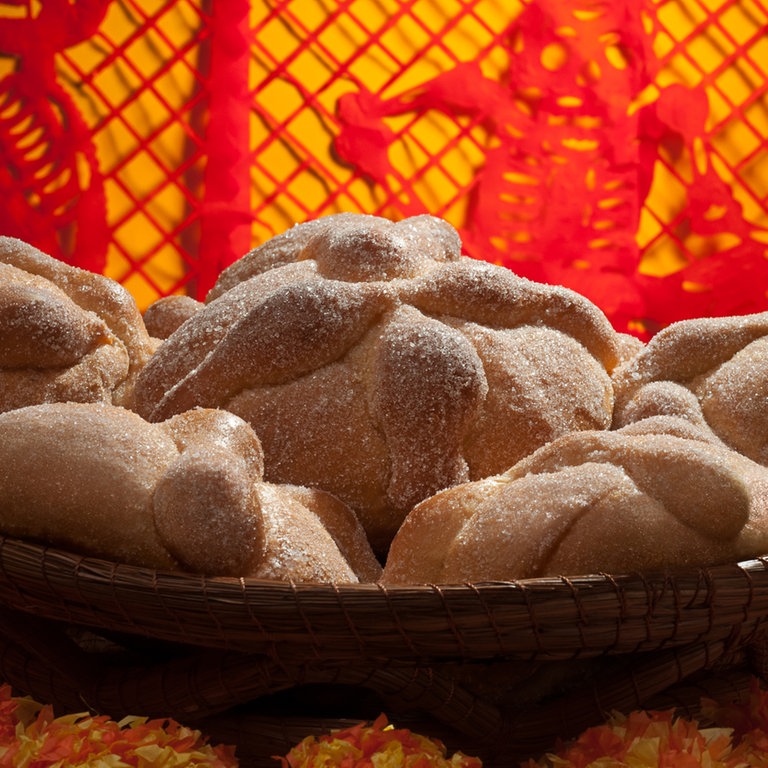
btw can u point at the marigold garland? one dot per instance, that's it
(641, 739)
(654, 739)
(31, 737)
(378, 745)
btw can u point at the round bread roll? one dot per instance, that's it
(656, 495)
(65, 334)
(712, 371)
(185, 494)
(378, 363)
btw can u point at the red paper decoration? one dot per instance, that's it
(50, 181)
(617, 148)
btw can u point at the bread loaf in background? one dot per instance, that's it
(712, 371)
(66, 334)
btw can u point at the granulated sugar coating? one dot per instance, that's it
(376, 362)
(712, 371)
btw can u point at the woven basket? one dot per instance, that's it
(499, 670)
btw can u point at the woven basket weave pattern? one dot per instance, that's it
(530, 660)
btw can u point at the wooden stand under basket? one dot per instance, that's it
(497, 670)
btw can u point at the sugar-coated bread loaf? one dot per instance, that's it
(378, 363)
(712, 371)
(65, 333)
(186, 493)
(658, 494)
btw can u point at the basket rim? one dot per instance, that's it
(554, 617)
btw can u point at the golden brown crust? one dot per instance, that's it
(490, 296)
(592, 502)
(734, 400)
(377, 362)
(298, 545)
(216, 427)
(418, 551)
(187, 349)
(41, 327)
(206, 510)
(275, 252)
(430, 387)
(262, 347)
(531, 372)
(67, 334)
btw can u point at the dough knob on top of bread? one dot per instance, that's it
(166, 314)
(323, 241)
(377, 362)
(656, 495)
(65, 334)
(183, 494)
(711, 370)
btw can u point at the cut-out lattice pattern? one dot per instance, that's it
(618, 148)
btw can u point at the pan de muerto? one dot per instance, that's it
(376, 361)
